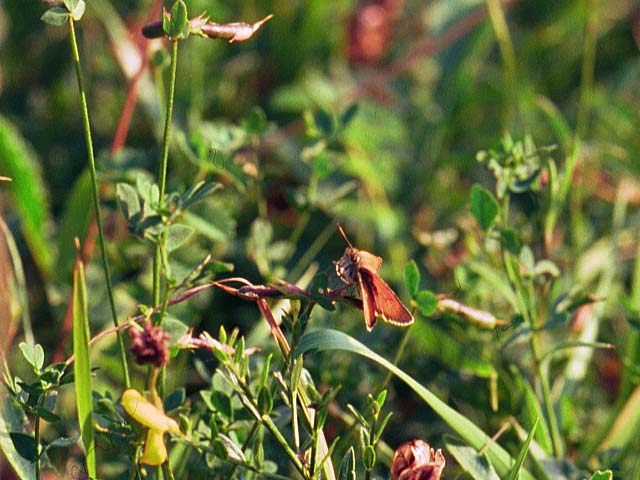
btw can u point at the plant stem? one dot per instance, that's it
(501, 30)
(167, 120)
(588, 67)
(168, 472)
(162, 174)
(396, 359)
(37, 441)
(95, 192)
(268, 423)
(528, 312)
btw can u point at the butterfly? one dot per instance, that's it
(359, 267)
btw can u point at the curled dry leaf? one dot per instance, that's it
(416, 460)
(234, 32)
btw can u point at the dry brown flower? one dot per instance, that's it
(416, 460)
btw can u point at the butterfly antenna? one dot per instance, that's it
(344, 235)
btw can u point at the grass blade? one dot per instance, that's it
(514, 474)
(82, 367)
(75, 222)
(475, 466)
(334, 340)
(28, 189)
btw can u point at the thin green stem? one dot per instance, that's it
(636, 470)
(396, 359)
(547, 401)
(501, 30)
(588, 67)
(168, 472)
(37, 441)
(162, 174)
(247, 400)
(245, 445)
(528, 312)
(268, 423)
(96, 195)
(632, 346)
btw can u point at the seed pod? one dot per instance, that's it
(416, 460)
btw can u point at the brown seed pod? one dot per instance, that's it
(416, 460)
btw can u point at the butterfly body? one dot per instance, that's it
(360, 268)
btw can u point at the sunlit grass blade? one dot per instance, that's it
(82, 366)
(514, 474)
(467, 430)
(19, 162)
(15, 308)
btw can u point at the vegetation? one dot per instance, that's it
(173, 292)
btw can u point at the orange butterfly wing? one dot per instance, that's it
(386, 303)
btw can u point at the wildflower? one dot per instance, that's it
(149, 415)
(416, 460)
(150, 345)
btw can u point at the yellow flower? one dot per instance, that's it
(147, 414)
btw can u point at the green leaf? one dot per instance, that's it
(427, 302)
(334, 340)
(28, 353)
(265, 401)
(177, 26)
(412, 277)
(546, 267)
(82, 366)
(38, 356)
(55, 16)
(510, 240)
(174, 399)
(13, 419)
(255, 121)
(477, 467)
(71, 4)
(174, 327)
(147, 190)
(64, 442)
(128, 200)
(348, 465)
(483, 206)
(76, 8)
(319, 123)
(602, 475)
(369, 457)
(213, 232)
(177, 234)
(18, 161)
(25, 445)
(532, 413)
(514, 474)
(48, 416)
(198, 192)
(348, 114)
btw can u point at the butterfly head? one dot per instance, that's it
(347, 266)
